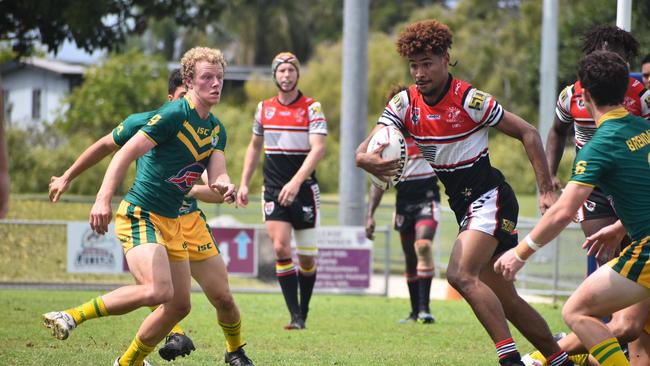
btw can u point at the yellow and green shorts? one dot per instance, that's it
(135, 225)
(198, 237)
(634, 262)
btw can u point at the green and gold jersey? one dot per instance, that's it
(617, 159)
(184, 143)
(127, 129)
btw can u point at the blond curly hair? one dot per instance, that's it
(198, 54)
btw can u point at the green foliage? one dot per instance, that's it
(122, 85)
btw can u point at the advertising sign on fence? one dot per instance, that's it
(344, 258)
(89, 252)
(238, 249)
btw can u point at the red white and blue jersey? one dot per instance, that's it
(286, 130)
(570, 108)
(452, 135)
(419, 180)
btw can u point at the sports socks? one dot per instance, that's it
(92, 309)
(414, 292)
(609, 353)
(559, 359)
(306, 281)
(578, 360)
(286, 273)
(425, 276)
(507, 352)
(234, 339)
(136, 353)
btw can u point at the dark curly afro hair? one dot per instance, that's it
(424, 36)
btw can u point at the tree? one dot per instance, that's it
(100, 24)
(123, 84)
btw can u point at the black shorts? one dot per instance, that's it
(409, 214)
(304, 212)
(495, 213)
(597, 206)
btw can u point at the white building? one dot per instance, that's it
(33, 89)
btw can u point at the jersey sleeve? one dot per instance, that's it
(257, 121)
(644, 101)
(592, 162)
(317, 121)
(129, 127)
(220, 138)
(395, 111)
(482, 108)
(165, 123)
(563, 105)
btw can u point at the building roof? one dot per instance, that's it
(235, 73)
(56, 66)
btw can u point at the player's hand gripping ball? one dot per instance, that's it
(395, 149)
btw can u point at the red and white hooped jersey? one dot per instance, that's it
(417, 166)
(419, 180)
(286, 130)
(570, 108)
(452, 136)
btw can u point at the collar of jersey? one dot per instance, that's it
(619, 112)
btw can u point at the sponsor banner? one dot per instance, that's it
(238, 248)
(344, 258)
(89, 252)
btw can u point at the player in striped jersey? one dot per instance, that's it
(615, 159)
(597, 211)
(449, 120)
(292, 130)
(416, 217)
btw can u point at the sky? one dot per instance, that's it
(71, 53)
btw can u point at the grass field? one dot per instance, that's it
(342, 330)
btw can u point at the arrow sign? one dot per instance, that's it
(242, 239)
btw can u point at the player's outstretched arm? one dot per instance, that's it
(316, 153)
(372, 162)
(250, 162)
(555, 143)
(374, 198)
(101, 213)
(91, 156)
(515, 126)
(219, 178)
(549, 226)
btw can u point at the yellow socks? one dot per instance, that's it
(234, 339)
(94, 308)
(136, 353)
(609, 353)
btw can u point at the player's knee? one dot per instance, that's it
(462, 281)
(224, 302)
(156, 295)
(423, 248)
(282, 249)
(625, 329)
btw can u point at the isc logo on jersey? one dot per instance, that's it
(395, 149)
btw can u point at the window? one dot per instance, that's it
(36, 104)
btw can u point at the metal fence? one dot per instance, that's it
(35, 250)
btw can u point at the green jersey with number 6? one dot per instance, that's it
(617, 159)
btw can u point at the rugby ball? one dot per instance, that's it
(396, 149)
